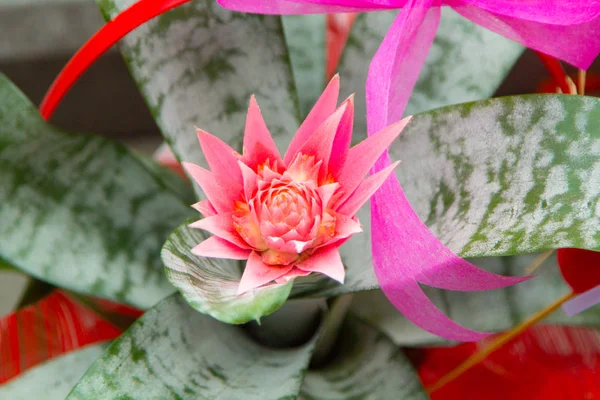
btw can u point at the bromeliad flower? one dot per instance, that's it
(288, 216)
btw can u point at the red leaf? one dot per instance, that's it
(546, 362)
(580, 268)
(47, 329)
(104, 39)
(338, 30)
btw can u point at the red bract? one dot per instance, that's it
(48, 329)
(547, 362)
(580, 268)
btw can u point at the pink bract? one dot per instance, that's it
(288, 215)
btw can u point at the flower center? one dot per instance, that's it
(286, 218)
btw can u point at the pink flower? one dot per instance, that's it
(288, 216)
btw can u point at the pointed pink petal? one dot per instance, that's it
(249, 178)
(365, 190)
(221, 192)
(343, 139)
(582, 302)
(319, 144)
(293, 274)
(346, 226)
(326, 261)
(322, 110)
(205, 208)
(221, 158)
(326, 192)
(258, 142)
(221, 225)
(257, 273)
(215, 247)
(556, 12)
(362, 157)
(570, 43)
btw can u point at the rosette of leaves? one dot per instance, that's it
(492, 178)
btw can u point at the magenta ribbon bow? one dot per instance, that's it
(405, 252)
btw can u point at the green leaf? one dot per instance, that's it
(198, 65)
(494, 310)
(498, 177)
(210, 285)
(305, 37)
(54, 379)
(367, 365)
(466, 62)
(79, 211)
(173, 352)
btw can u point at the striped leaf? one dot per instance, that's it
(367, 365)
(466, 62)
(79, 211)
(210, 285)
(173, 352)
(305, 37)
(485, 311)
(198, 65)
(498, 177)
(54, 379)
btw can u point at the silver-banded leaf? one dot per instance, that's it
(174, 352)
(210, 285)
(498, 177)
(490, 311)
(79, 211)
(198, 65)
(305, 37)
(466, 62)
(54, 379)
(367, 365)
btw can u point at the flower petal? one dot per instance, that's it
(221, 192)
(205, 208)
(320, 143)
(258, 142)
(326, 261)
(215, 247)
(322, 110)
(249, 179)
(326, 192)
(343, 139)
(365, 190)
(582, 302)
(570, 43)
(257, 273)
(221, 158)
(293, 274)
(362, 157)
(222, 226)
(556, 12)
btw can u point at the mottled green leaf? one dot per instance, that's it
(54, 379)
(79, 211)
(305, 37)
(498, 177)
(174, 352)
(466, 62)
(210, 285)
(366, 366)
(486, 311)
(198, 65)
